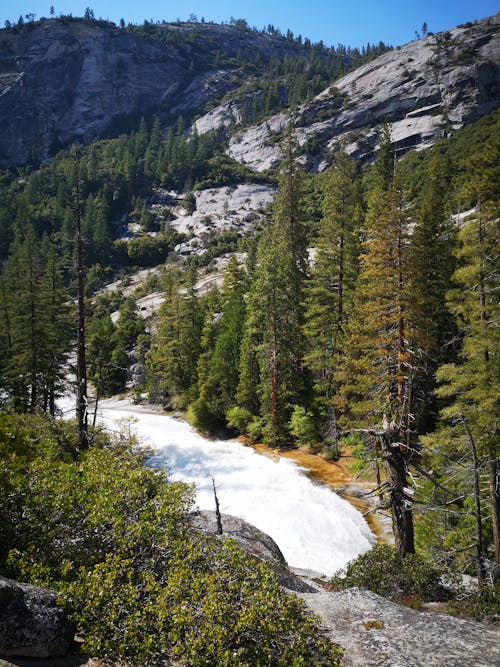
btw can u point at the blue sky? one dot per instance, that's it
(350, 22)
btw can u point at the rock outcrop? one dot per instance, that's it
(425, 90)
(375, 632)
(231, 208)
(255, 542)
(31, 622)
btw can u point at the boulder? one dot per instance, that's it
(31, 622)
(254, 541)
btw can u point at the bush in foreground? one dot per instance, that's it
(113, 536)
(383, 571)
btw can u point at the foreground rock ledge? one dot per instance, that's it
(376, 632)
(31, 623)
(253, 541)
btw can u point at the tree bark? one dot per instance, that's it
(495, 505)
(402, 516)
(217, 509)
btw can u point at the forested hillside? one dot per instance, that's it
(359, 309)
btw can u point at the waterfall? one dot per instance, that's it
(314, 528)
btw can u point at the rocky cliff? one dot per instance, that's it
(73, 80)
(67, 80)
(425, 90)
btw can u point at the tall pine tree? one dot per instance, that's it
(473, 383)
(376, 378)
(431, 264)
(273, 345)
(329, 291)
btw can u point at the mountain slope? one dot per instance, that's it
(70, 79)
(425, 90)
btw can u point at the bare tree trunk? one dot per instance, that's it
(81, 364)
(217, 509)
(477, 508)
(495, 505)
(97, 395)
(377, 466)
(402, 516)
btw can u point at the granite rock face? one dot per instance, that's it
(65, 81)
(425, 90)
(31, 623)
(255, 542)
(230, 208)
(375, 632)
(62, 83)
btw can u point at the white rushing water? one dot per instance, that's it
(313, 526)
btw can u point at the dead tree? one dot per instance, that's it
(81, 363)
(218, 516)
(394, 456)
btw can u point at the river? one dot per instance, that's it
(314, 528)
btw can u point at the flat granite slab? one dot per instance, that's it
(376, 632)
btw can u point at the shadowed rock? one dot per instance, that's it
(31, 623)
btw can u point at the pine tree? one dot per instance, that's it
(376, 377)
(218, 378)
(34, 344)
(173, 359)
(473, 383)
(100, 345)
(330, 289)
(273, 336)
(26, 320)
(431, 265)
(57, 323)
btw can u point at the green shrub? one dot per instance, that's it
(302, 426)
(213, 605)
(481, 604)
(331, 449)
(354, 440)
(113, 536)
(255, 429)
(383, 571)
(201, 417)
(149, 250)
(360, 453)
(238, 418)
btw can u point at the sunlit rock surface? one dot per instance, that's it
(376, 632)
(425, 89)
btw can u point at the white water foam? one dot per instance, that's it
(314, 528)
